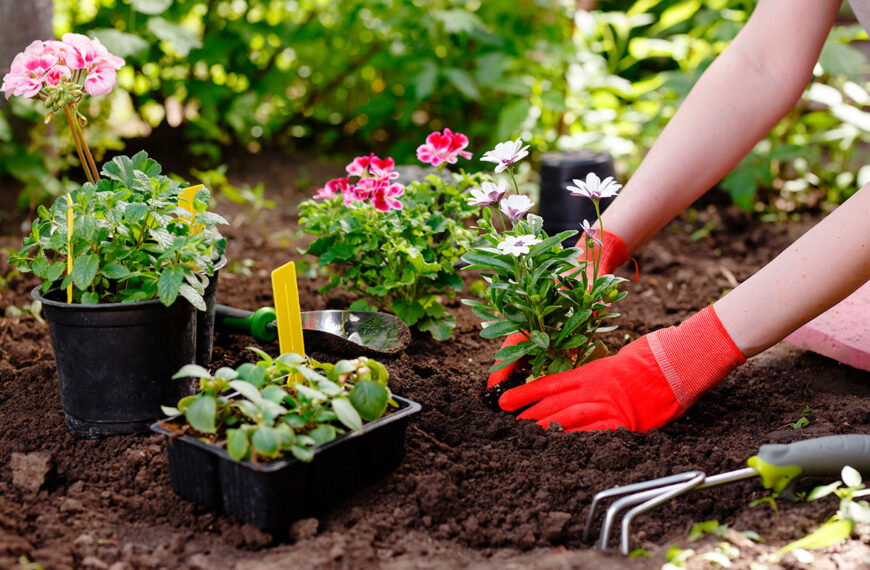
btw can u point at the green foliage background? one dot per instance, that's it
(342, 76)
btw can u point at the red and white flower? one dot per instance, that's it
(443, 147)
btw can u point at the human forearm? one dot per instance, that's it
(816, 272)
(749, 87)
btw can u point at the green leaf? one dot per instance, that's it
(511, 117)
(151, 7)
(200, 414)
(193, 296)
(362, 305)
(424, 82)
(540, 338)
(303, 454)
(169, 284)
(182, 40)
(266, 441)
(252, 374)
(55, 271)
(85, 268)
(323, 434)
(192, 370)
(115, 271)
(463, 82)
(248, 391)
(480, 260)
(370, 399)
(237, 444)
(493, 329)
(439, 328)
(408, 312)
(135, 212)
(347, 414)
(828, 534)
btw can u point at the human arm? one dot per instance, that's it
(737, 100)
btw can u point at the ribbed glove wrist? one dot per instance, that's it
(695, 355)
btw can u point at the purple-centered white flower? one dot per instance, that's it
(591, 232)
(517, 245)
(595, 188)
(488, 193)
(505, 154)
(516, 206)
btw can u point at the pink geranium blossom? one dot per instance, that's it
(92, 56)
(333, 187)
(384, 197)
(443, 147)
(28, 71)
(361, 165)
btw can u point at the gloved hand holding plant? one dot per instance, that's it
(553, 300)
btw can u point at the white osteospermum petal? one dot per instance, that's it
(505, 154)
(516, 206)
(517, 245)
(488, 193)
(594, 187)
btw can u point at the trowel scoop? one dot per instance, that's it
(342, 332)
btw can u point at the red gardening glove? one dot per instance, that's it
(613, 254)
(648, 383)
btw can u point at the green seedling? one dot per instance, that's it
(707, 527)
(289, 404)
(801, 422)
(34, 309)
(841, 525)
(131, 241)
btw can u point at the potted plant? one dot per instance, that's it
(396, 246)
(553, 295)
(124, 266)
(275, 440)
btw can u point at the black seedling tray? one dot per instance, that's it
(274, 494)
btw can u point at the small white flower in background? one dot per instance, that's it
(488, 193)
(591, 232)
(516, 206)
(506, 153)
(517, 245)
(594, 187)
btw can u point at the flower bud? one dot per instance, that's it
(49, 117)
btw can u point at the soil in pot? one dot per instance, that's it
(115, 361)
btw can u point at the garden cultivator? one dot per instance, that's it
(778, 465)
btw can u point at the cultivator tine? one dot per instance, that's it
(649, 494)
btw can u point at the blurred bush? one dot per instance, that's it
(339, 75)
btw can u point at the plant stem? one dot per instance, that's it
(72, 125)
(93, 165)
(516, 185)
(600, 249)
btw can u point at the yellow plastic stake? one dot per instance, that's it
(287, 312)
(69, 251)
(185, 200)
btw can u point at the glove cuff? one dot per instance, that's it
(614, 252)
(695, 355)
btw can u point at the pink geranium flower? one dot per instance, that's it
(27, 74)
(333, 187)
(383, 197)
(443, 147)
(92, 56)
(361, 165)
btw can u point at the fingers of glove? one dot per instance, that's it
(499, 376)
(569, 380)
(602, 425)
(569, 409)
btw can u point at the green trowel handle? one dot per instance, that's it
(260, 324)
(779, 465)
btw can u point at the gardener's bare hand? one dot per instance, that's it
(648, 383)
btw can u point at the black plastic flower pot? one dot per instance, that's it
(205, 319)
(272, 495)
(560, 210)
(115, 361)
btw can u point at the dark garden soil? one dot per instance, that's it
(477, 488)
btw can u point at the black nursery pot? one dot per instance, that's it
(115, 361)
(273, 495)
(205, 319)
(560, 210)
